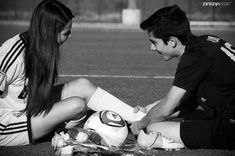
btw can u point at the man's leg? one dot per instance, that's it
(168, 129)
(164, 135)
(195, 134)
(208, 134)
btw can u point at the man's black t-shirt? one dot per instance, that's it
(207, 69)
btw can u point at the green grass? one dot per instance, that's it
(102, 52)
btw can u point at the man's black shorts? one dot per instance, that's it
(210, 134)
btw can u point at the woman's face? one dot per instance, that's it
(65, 33)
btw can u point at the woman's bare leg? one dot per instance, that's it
(62, 111)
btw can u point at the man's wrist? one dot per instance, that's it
(144, 122)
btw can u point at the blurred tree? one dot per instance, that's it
(111, 10)
(132, 4)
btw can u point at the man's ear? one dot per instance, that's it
(172, 41)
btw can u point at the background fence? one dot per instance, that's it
(111, 10)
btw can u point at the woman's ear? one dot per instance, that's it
(59, 38)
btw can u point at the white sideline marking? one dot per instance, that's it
(195, 25)
(119, 76)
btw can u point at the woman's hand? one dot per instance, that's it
(140, 108)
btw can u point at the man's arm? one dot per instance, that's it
(164, 108)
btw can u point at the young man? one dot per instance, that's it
(203, 90)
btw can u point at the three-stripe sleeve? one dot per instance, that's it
(13, 128)
(12, 55)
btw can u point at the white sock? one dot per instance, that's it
(74, 123)
(102, 100)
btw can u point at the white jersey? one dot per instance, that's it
(12, 74)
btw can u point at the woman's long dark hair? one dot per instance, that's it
(42, 55)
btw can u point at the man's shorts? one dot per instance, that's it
(208, 133)
(15, 127)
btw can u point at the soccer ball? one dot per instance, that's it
(109, 125)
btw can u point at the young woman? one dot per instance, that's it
(31, 105)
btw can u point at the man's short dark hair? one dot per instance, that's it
(166, 22)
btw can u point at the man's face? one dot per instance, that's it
(157, 45)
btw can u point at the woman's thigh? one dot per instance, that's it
(61, 111)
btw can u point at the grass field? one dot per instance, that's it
(119, 61)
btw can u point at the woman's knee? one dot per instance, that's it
(81, 87)
(84, 83)
(77, 105)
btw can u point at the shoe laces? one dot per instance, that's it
(168, 139)
(163, 137)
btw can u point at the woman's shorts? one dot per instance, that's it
(15, 127)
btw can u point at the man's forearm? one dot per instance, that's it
(162, 110)
(155, 114)
(150, 106)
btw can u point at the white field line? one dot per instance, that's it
(118, 25)
(118, 76)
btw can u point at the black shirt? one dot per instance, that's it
(207, 69)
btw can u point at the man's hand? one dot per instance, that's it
(137, 126)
